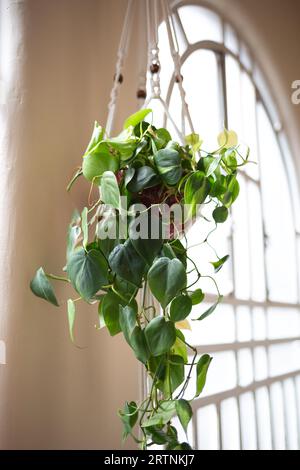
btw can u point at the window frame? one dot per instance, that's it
(267, 102)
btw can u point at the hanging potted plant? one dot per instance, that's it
(132, 240)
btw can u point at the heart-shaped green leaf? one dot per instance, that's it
(129, 174)
(158, 436)
(220, 214)
(161, 138)
(129, 417)
(219, 187)
(99, 160)
(42, 288)
(141, 238)
(127, 263)
(213, 165)
(139, 344)
(110, 193)
(180, 308)
(174, 375)
(184, 412)
(197, 296)
(136, 118)
(164, 413)
(218, 264)
(124, 289)
(232, 192)
(210, 310)
(166, 278)
(109, 309)
(97, 137)
(144, 177)
(196, 190)
(179, 348)
(87, 272)
(160, 335)
(168, 164)
(202, 368)
(127, 320)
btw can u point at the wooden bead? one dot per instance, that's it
(178, 78)
(154, 68)
(120, 78)
(141, 94)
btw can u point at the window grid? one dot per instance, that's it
(268, 383)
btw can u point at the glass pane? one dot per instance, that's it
(241, 244)
(234, 104)
(283, 323)
(200, 24)
(284, 358)
(264, 90)
(256, 243)
(244, 328)
(293, 178)
(166, 60)
(175, 109)
(291, 417)
(222, 373)
(260, 363)
(249, 136)
(259, 323)
(248, 421)
(201, 82)
(264, 419)
(245, 367)
(208, 430)
(203, 254)
(297, 394)
(217, 328)
(180, 33)
(221, 242)
(278, 217)
(230, 425)
(278, 416)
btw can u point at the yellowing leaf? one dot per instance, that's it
(227, 139)
(183, 325)
(194, 141)
(71, 318)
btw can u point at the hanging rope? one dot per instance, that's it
(118, 77)
(153, 49)
(153, 64)
(174, 48)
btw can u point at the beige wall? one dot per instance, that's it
(60, 66)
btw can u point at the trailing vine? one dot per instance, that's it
(132, 240)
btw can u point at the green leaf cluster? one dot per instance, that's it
(144, 164)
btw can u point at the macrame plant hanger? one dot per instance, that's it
(154, 11)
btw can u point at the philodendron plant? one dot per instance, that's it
(131, 241)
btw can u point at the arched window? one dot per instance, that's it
(253, 389)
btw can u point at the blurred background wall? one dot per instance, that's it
(56, 65)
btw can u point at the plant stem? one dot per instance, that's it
(57, 278)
